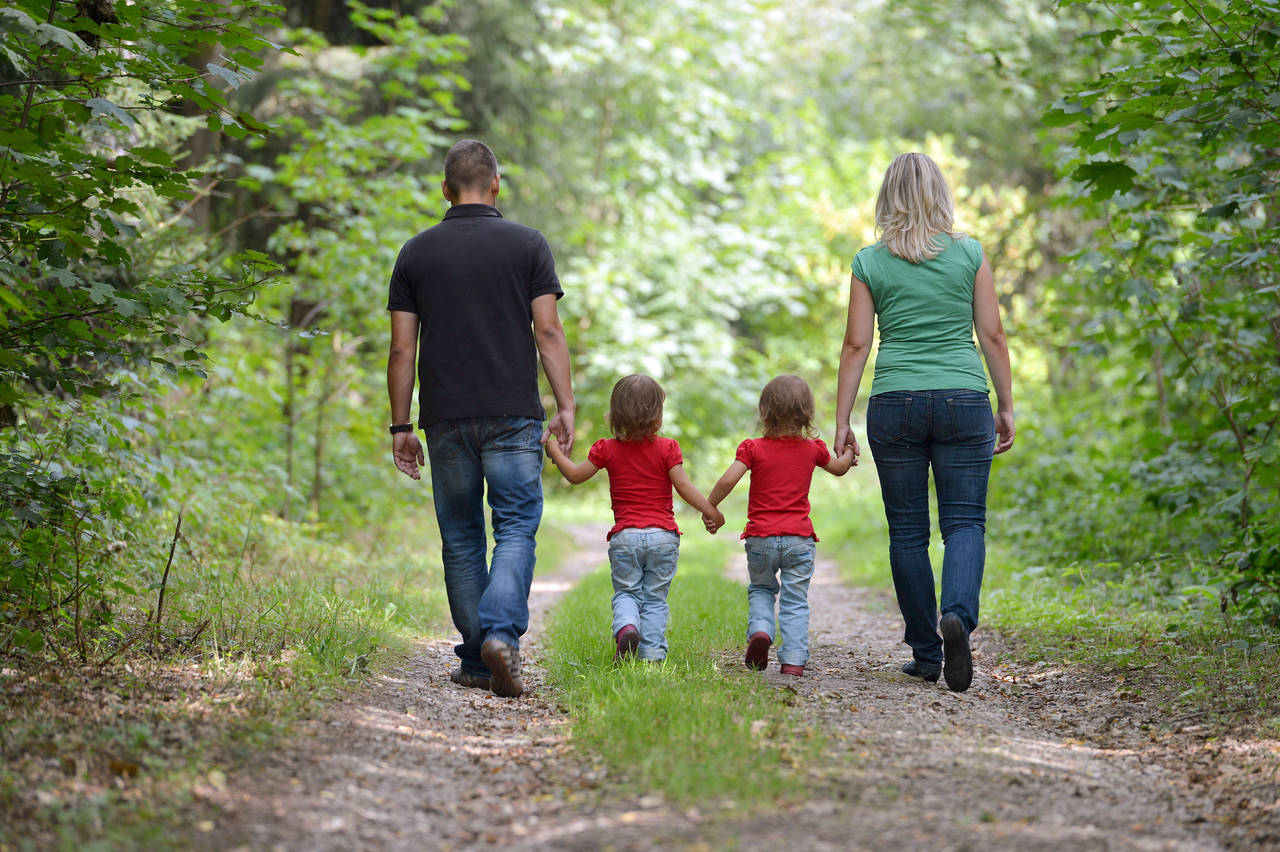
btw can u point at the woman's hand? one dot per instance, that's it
(1004, 431)
(845, 438)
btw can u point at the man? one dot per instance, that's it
(475, 298)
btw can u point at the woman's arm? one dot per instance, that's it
(858, 331)
(574, 473)
(986, 320)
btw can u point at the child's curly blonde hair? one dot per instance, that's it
(786, 408)
(635, 408)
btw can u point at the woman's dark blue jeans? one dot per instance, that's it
(953, 432)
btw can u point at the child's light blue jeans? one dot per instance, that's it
(780, 567)
(642, 562)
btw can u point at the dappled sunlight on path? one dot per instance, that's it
(1030, 758)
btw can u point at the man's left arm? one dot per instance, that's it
(406, 449)
(553, 349)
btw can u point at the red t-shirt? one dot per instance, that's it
(781, 470)
(639, 482)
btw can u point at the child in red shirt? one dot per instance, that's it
(644, 542)
(779, 536)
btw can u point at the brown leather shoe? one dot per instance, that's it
(504, 667)
(462, 678)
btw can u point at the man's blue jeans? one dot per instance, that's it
(780, 568)
(642, 562)
(488, 600)
(953, 432)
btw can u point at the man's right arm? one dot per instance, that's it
(548, 334)
(406, 449)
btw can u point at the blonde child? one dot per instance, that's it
(779, 536)
(644, 542)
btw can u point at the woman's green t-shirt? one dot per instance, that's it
(925, 314)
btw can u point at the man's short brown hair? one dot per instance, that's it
(470, 166)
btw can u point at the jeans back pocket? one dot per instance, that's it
(888, 418)
(971, 419)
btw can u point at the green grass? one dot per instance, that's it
(697, 726)
(1159, 625)
(263, 623)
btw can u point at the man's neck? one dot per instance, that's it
(475, 199)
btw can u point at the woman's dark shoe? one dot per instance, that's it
(758, 651)
(924, 671)
(957, 665)
(793, 669)
(628, 639)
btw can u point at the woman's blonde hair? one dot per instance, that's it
(786, 408)
(635, 408)
(914, 207)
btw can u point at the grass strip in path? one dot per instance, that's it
(698, 726)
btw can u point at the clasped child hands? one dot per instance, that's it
(713, 522)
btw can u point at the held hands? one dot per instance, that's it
(845, 440)
(713, 522)
(406, 450)
(562, 427)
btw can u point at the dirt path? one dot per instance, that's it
(1028, 759)
(413, 761)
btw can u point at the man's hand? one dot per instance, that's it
(406, 450)
(562, 427)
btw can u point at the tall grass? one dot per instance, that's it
(696, 726)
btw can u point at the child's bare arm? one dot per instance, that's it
(688, 492)
(574, 473)
(726, 483)
(839, 465)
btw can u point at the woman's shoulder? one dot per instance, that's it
(968, 246)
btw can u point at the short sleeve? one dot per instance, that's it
(400, 292)
(746, 452)
(972, 251)
(542, 269)
(821, 455)
(859, 270)
(671, 453)
(599, 454)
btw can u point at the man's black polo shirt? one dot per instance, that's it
(472, 280)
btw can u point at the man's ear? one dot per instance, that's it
(495, 186)
(446, 192)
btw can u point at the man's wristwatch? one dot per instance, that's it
(397, 428)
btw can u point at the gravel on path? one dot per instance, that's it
(1030, 758)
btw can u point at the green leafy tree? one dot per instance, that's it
(1176, 152)
(100, 280)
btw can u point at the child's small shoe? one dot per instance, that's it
(628, 639)
(789, 668)
(758, 651)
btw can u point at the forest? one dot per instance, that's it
(201, 202)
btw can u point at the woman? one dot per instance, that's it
(929, 288)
